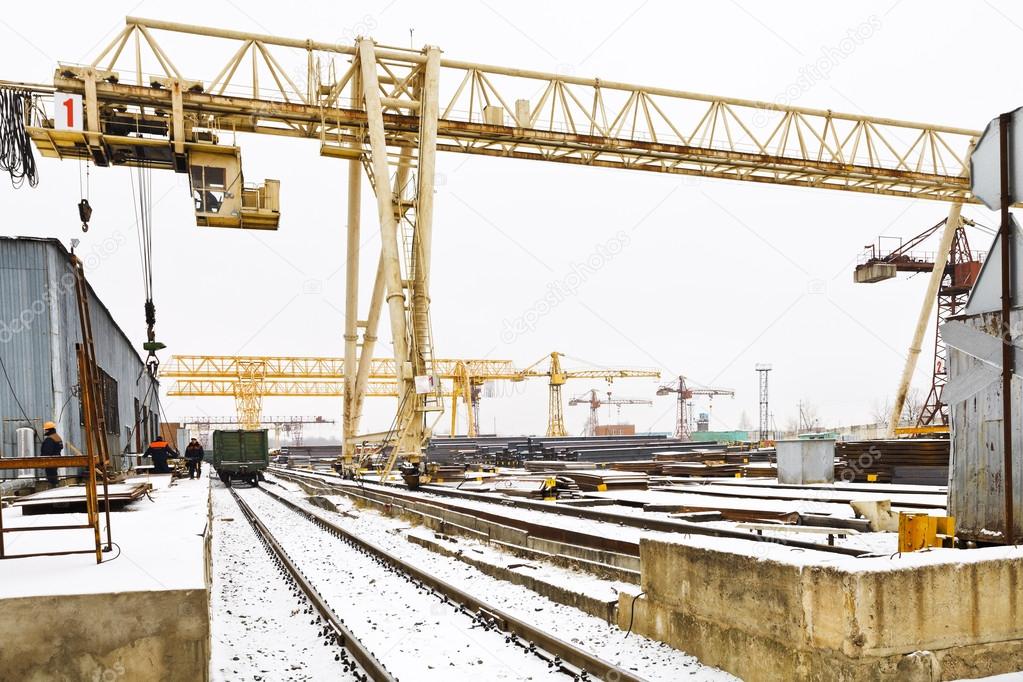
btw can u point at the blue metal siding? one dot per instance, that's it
(36, 276)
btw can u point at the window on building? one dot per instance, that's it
(111, 411)
(138, 426)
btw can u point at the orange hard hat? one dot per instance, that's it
(49, 425)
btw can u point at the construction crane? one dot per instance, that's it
(249, 401)
(557, 377)
(593, 399)
(684, 406)
(250, 373)
(295, 426)
(381, 110)
(958, 273)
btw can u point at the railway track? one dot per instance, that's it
(353, 656)
(433, 493)
(491, 630)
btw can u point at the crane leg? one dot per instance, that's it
(930, 300)
(388, 227)
(351, 304)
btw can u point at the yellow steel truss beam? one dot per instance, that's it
(300, 88)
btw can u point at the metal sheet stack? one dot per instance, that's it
(602, 479)
(909, 461)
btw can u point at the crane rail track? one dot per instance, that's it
(335, 630)
(396, 492)
(560, 655)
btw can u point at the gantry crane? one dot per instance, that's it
(959, 271)
(593, 399)
(557, 377)
(684, 405)
(250, 376)
(294, 425)
(249, 407)
(382, 110)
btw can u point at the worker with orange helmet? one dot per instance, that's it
(51, 447)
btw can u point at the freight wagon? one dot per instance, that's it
(241, 455)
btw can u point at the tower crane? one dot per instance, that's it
(383, 113)
(593, 399)
(684, 407)
(557, 377)
(959, 268)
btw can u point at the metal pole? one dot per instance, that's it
(924, 319)
(1004, 124)
(351, 295)
(369, 339)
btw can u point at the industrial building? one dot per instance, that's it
(39, 328)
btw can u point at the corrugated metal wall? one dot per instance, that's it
(39, 328)
(976, 496)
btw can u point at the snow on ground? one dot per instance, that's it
(725, 492)
(258, 631)
(412, 632)
(160, 541)
(654, 660)
(876, 543)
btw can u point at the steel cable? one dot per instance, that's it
(16, 157)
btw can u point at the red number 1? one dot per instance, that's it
(69, 104)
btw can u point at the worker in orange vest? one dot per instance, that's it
(51, 447)
(160, 450)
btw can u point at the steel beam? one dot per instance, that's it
(352, 295)
(388, 227)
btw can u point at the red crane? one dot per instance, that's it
(684, 408)
(961, 270)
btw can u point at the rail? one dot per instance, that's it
(535, 638)
(657, 524)
(340, 633)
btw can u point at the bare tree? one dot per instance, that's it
(882, 411)
(913, 407)
(809, 418)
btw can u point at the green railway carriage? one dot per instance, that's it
(241, 455)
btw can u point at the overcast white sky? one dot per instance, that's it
(717, 275)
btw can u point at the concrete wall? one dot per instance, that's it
(161, 635)
(818, 622)
(114, 637)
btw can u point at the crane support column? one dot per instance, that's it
(352, 297)
(369, 340)
(385, 206)
(930, 296)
